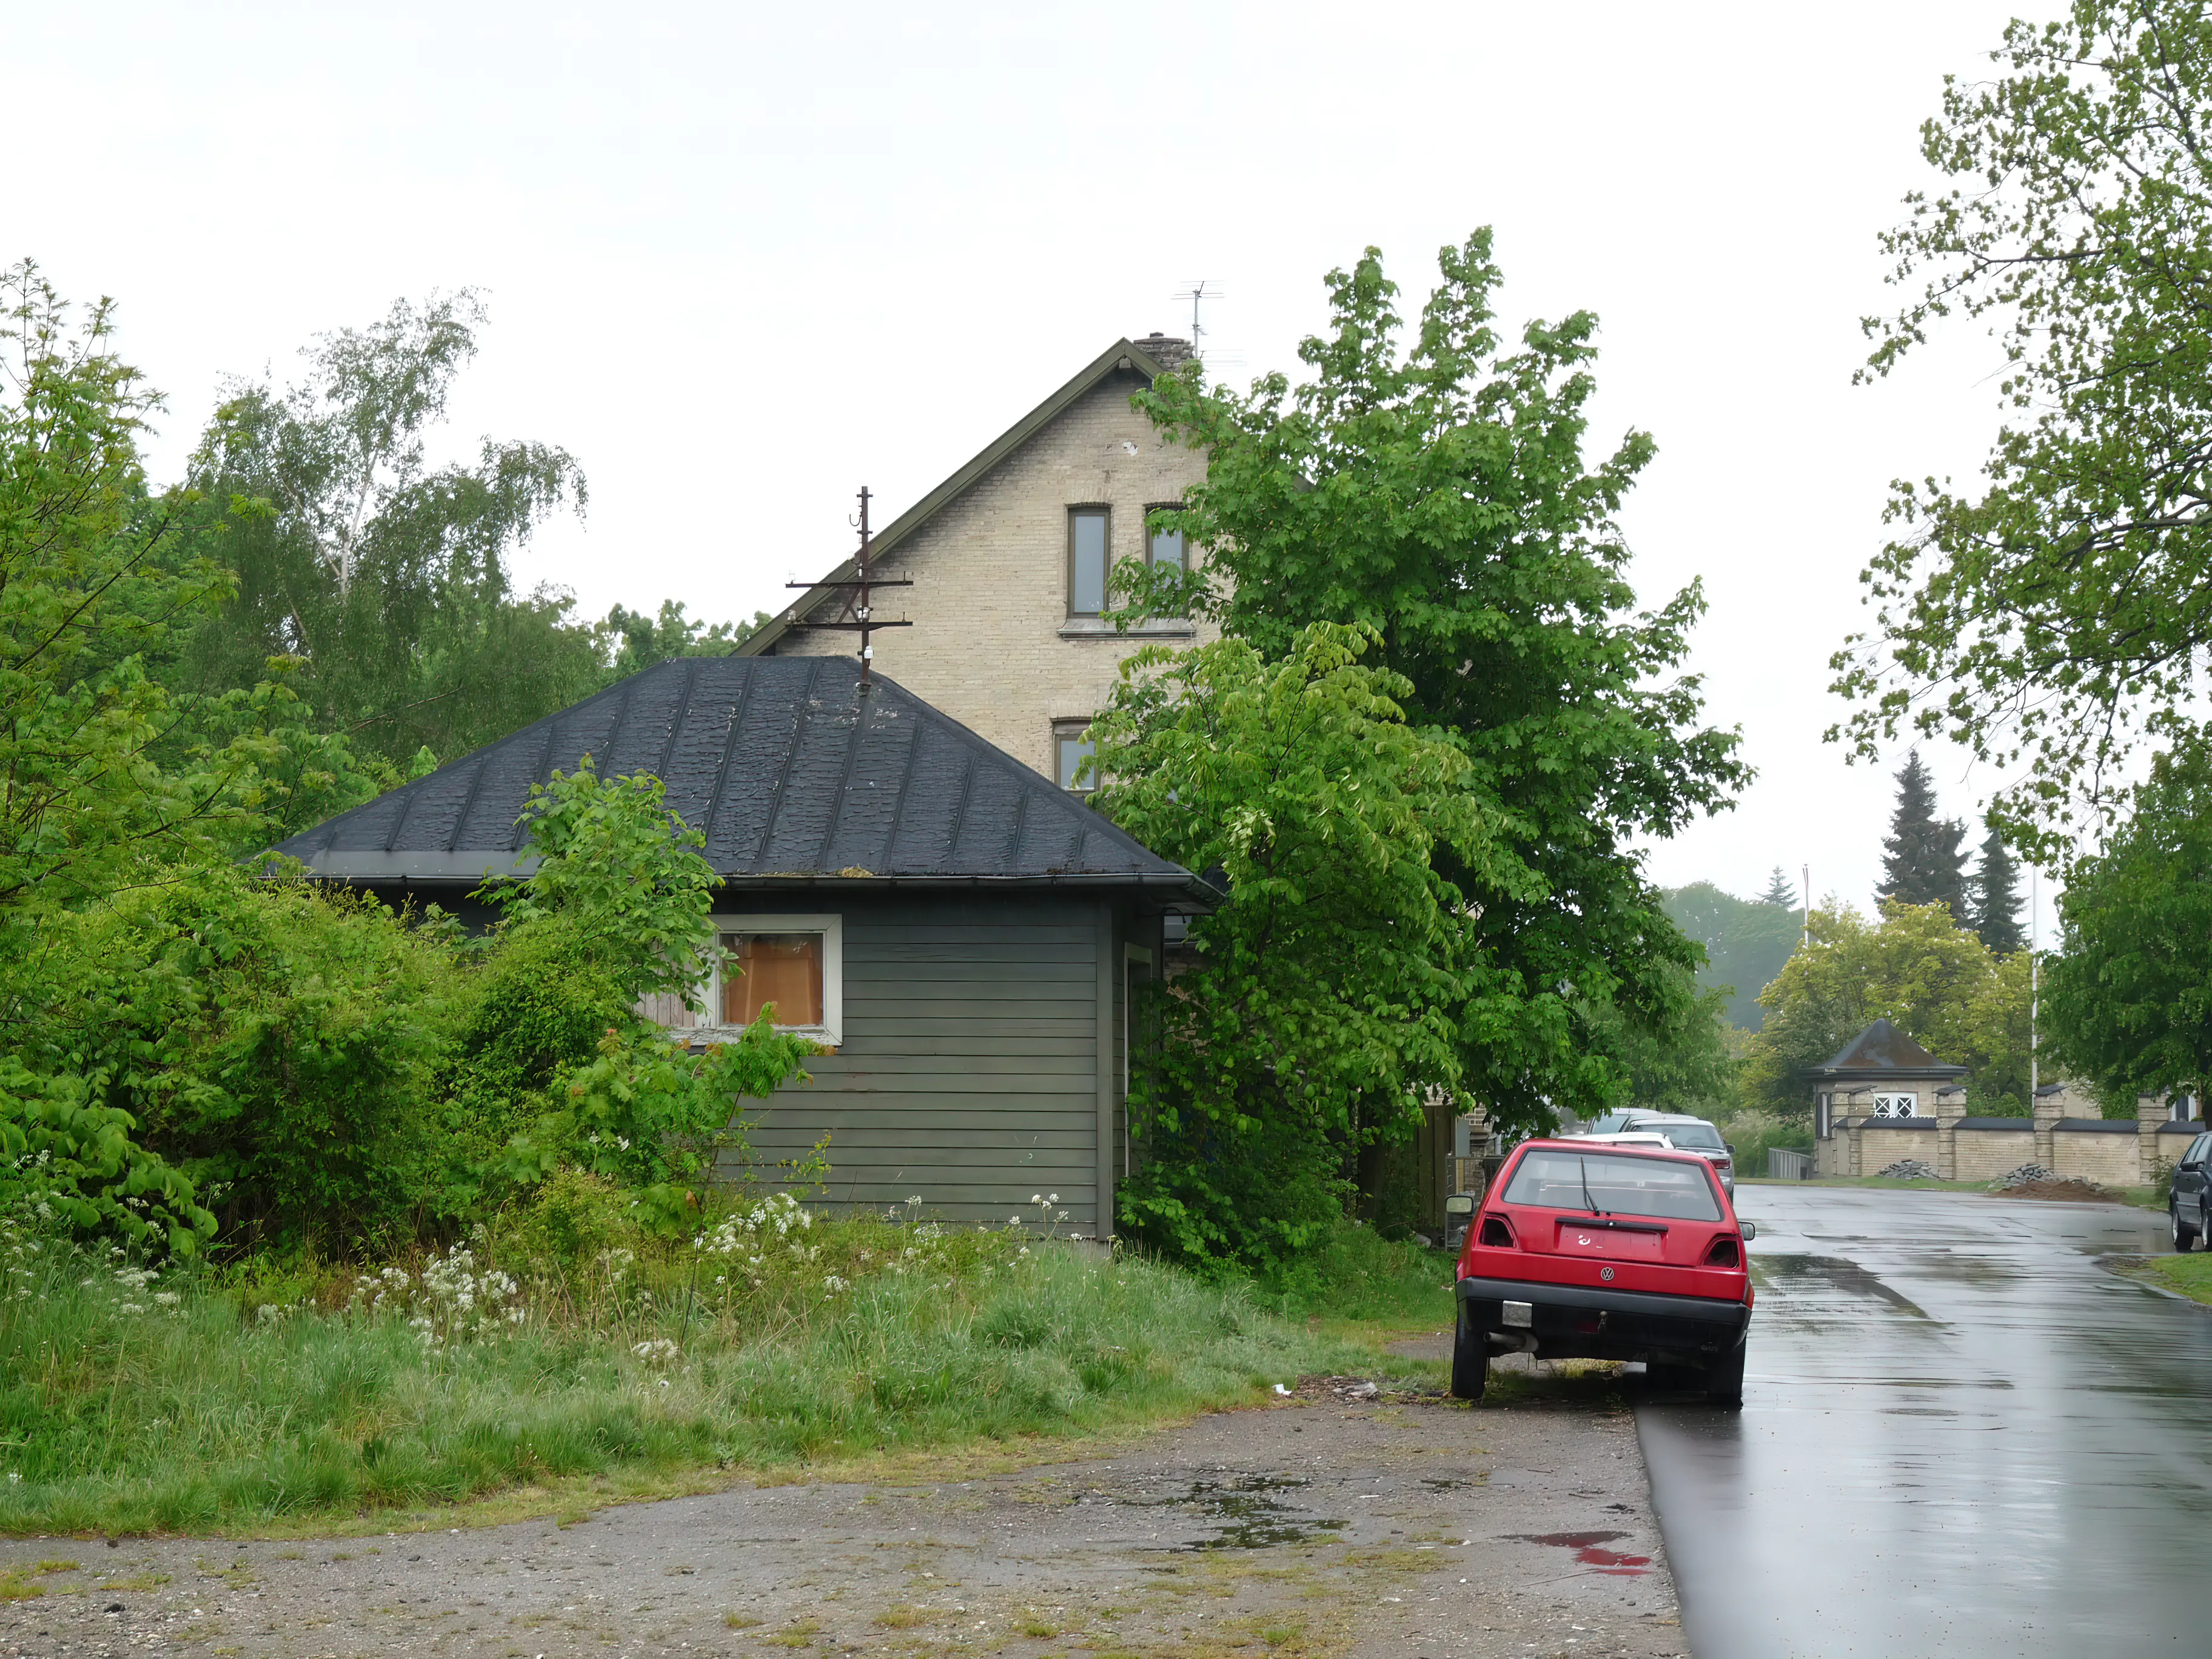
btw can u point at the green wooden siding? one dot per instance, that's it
(969, 1072)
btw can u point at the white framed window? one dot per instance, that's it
(1896, 1105)
(796, 964)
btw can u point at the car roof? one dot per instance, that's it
(1635, 1114)
(1568, 1143)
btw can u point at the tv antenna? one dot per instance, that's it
(858, 615)
(1198, 290)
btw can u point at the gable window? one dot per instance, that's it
(1086, 561)
(792, 967)
(1895, 1105)
(1071, 748)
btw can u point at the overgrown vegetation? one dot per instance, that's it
(1429, 627)
(566, 1339)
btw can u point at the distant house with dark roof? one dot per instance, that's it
(964, 933)
(1009, 558)
(1883, 1099)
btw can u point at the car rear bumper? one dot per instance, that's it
(1582, 1321)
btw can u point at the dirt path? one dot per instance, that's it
(1327, 1528)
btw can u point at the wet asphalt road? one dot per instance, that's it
(1961, 1436)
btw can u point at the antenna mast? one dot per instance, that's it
(858, 615)
(1195, 291)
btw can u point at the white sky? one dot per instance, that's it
(741, 260)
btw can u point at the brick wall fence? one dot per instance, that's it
(2120, 1152)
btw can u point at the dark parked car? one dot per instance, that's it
(1588, 1251)
(2190, 1208)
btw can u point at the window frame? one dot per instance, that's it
(1885, 1098)
(1166, 507)
(831, 928)
(1065, 731)
(1103, 511)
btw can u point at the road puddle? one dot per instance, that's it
(1251, 1516)
(1590, 1550)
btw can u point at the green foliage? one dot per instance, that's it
(1690, 1067)
(1325, 996)
(1993, 896)
(2053, 617)
(625, 873)
(1915, 968)
(275, 1040)
(123, 1412)
(1355, 1273)
(1922, 862)
(1745, 943)
(1779, 891)
(1439, 497)
(2127, 1000)
(384, 577)
(640, 640)
(66, 1160)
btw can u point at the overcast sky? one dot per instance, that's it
(741, 259)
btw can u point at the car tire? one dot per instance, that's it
(2185, 1236)
(1470, 1371)
(1724, 1381)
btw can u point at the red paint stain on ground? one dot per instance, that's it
(1590, 1550)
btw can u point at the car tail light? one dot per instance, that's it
(1724, 1163)
(1495, 1233)
(1724, 1252)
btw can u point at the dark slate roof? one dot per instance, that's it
(793, 776)
(2097, 1126)
(1882, 1049)
(2015, 1125)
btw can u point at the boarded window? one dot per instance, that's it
(784, 970)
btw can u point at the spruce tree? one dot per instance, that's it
(1924, 862)
(1779, 891)
(1996, 897)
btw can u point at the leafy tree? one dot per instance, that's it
(2128, 999)
(2057, 613)
(640, 640)
(1922, 863)
(384, 577)
(1994, 897)
(1745, 943)
(1690, 1069)
(1438, 498)
(1327, 997)
(1779, 890)
(1915, 967)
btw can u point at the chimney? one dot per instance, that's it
(1164, 350)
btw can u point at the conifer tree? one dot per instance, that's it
(1996, 896)
(1779, 891)
(1924, 862)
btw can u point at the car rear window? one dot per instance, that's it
(1689, 1134)
(1614, 1185)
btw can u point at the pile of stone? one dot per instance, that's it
(1909, 1169)
(2025, 1175)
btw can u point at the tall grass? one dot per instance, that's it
(120, 1413)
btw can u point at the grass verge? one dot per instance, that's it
(2191, 1274)
(127, 1412)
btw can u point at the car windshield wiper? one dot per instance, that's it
(1583, 1165)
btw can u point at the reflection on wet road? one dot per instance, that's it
(1959, 1436)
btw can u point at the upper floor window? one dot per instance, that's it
(1896, 1105)
(1071, 748)
(1086, 561)
(1166, 547)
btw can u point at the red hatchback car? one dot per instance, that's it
(1595, 1251)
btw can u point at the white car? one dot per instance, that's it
(1681, 1131)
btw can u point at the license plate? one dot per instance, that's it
(1609, 1242)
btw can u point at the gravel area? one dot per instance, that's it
(1331, 1524)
